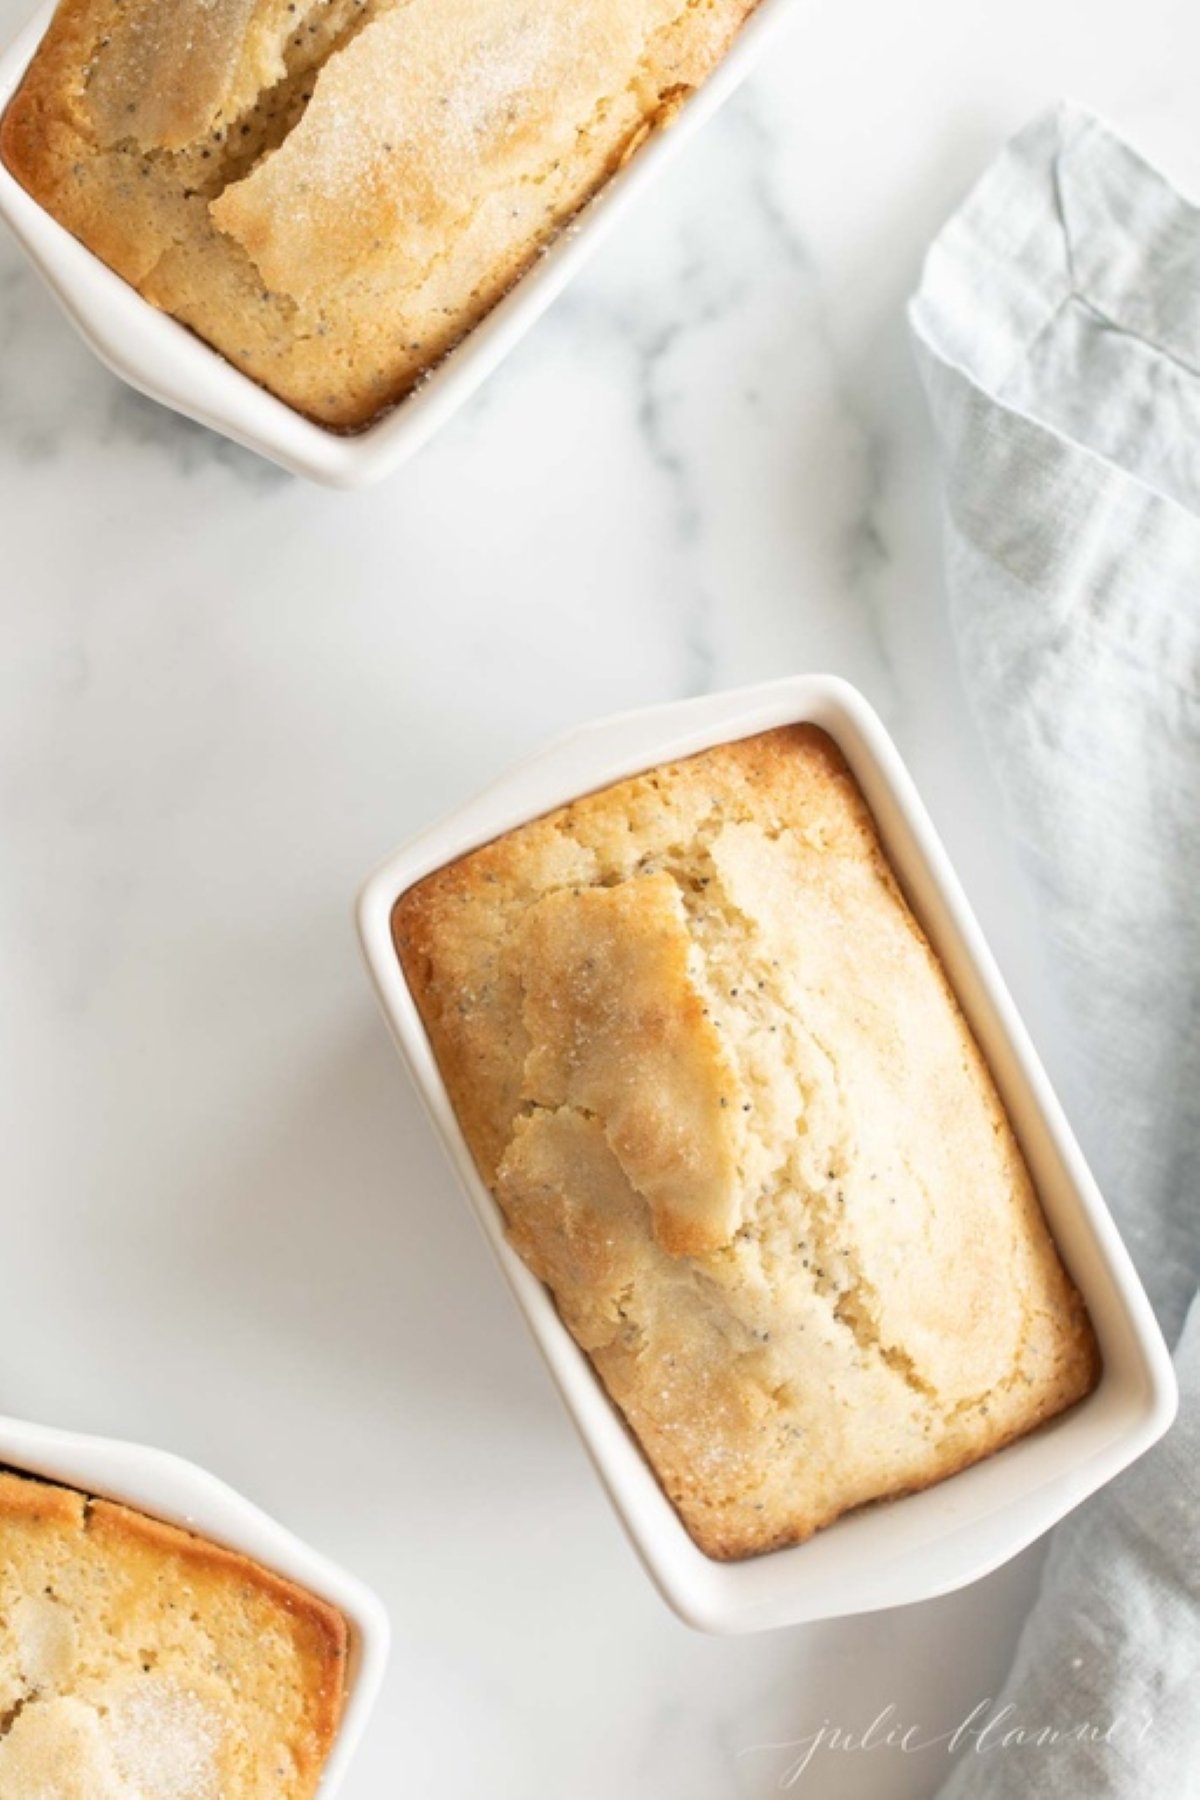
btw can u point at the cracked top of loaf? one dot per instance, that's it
(333, 192)
(717, 1080)
(138, 1662)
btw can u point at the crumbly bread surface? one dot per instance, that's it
(138, 1662)
(333, 192)
(715, 1076)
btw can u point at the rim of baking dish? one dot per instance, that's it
(168, 1487)
(915, 1546)
(152, 352)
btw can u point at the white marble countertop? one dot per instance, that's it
(226, 696)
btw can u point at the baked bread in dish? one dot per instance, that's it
(716, 1078)
(334, 192)
(138, 1662)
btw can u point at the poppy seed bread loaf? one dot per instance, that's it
(333, 192)
(719, 1085)
(139, 1662)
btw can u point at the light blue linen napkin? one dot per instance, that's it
(1057, 329)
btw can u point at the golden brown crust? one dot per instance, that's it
(704, 986)
(334, 192)
(40, 1502)
(133, 1646)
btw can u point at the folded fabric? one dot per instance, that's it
(1057, 329)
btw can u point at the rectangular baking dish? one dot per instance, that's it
(161, 358)
(167, 1487)
(923, 1544)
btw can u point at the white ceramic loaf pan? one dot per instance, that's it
(161, 358)
(167, 1487)
(924, 1544)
